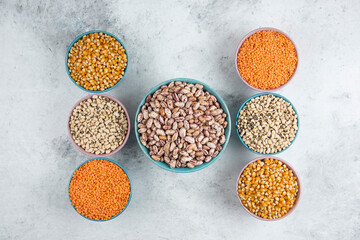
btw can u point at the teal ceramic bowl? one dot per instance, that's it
(257, 95)
(227, 130)
(110, 160)
(77, 39)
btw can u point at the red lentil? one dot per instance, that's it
(267, 59)
(99, 189)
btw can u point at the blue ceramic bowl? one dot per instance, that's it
(77, 39)
(257, 95)
(227, 130)
(107, 159)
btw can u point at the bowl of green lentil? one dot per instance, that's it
(267, 123)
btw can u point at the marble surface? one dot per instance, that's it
(168, 39)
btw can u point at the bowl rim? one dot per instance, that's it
(75, 41)
(289, 167)
(116, 149)
(227, 130)
(241, 43)
(257, 95)
(119, 165)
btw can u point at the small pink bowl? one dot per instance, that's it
(241, 43)
(297, 195)
(119, 147)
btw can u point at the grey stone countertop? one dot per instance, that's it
(164, 40)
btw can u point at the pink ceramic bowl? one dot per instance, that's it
(241, 43)
(297, 196)
(119, 147)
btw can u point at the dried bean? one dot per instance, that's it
(185, 122)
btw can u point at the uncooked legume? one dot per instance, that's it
(99, 189)
(97, 61)
(267, 59)
(98, 125)
(182, 125)
(267, 124)
(268, 188)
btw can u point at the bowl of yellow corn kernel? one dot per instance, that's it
(268, 188)
(96, 61)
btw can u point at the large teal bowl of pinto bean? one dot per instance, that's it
(182, 125)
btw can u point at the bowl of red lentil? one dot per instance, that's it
(100, 189)
(96, 61)
(99, 114)
(266, 59)
(254, 193)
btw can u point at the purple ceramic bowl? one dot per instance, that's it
(241, 43)
(120, 146)
(297, 195)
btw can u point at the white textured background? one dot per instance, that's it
(168, 39)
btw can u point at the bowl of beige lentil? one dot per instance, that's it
(100, 189)
(96, 61)
(99, 125)
(266, 59)
(268, 188)
(267, 123)
(182, 125)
